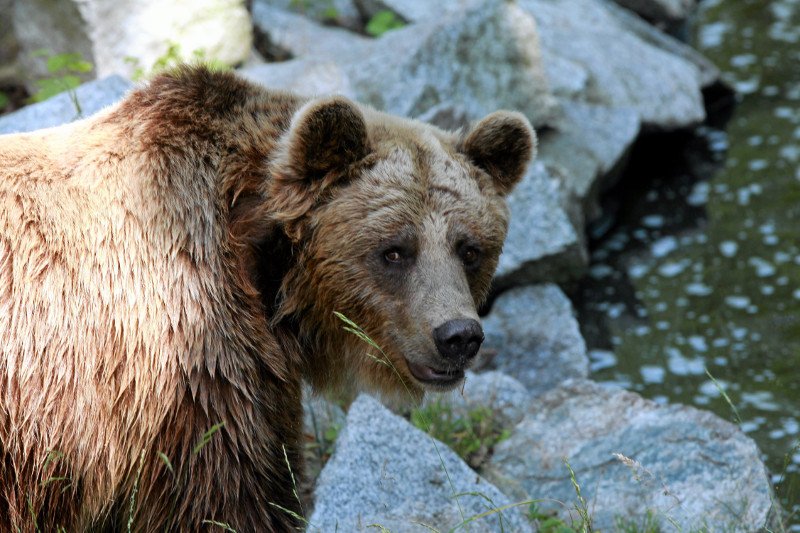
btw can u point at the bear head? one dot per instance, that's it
(395, 228)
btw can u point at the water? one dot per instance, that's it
(695, 295)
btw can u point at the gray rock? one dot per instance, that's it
(683, 465)
(60, 109)
(481, 60)
(302, 36)
(542, 243)
(451, 70)
(588, 143)
(596, 51)
(386, 472)
(308, 77)
(536, 337)
(661, 11)
(625, 70)
(506, 397)
(340, 12)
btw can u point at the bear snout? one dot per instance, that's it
(458, 340)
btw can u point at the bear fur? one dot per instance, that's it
(169, 273)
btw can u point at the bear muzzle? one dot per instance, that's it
(457, 342)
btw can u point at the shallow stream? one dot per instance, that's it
(696, 290)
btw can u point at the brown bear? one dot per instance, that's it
(169, 273)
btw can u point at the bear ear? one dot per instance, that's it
(325, 137)
(502, 144)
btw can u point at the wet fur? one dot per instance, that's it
(170, 264)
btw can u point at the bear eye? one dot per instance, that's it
(398, 256)
(393, 255)
(470, 255)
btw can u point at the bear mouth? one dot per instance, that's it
(432, 376)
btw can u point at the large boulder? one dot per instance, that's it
(90, 97)
(119, 37)
(57, 27)
(594, 52)
(535, 338)
(567, 79)
(461, 65)
(709, 73)
(631, 457)
(387, 475)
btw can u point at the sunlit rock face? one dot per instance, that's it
(127, 36)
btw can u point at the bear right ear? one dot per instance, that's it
(325, 138)
(502, 144)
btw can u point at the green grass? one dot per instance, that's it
(132, 512)
(472, 434)
(383, 21)
(65, 71)
(724, 394)
(206, 438)
(221, 525)
(580, 505)
(648, 524)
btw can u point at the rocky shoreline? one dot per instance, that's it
(591, 76)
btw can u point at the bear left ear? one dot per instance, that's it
(502, 144)
(325, 137)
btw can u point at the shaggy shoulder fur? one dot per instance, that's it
(130, 324)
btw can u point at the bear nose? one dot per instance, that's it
(458, 339)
